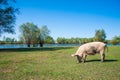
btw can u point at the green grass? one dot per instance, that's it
(56, 63)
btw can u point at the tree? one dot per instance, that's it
(44, 33)
(100, 35)
(30, 33)
(115, 40)
(8, 40)
(21, 39)
(7, 16)
(49, 40)
(61, 40)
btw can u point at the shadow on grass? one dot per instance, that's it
(33, 49)
(108, 60)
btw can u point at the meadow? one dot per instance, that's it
(56, 63)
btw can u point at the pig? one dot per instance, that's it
(90, 48)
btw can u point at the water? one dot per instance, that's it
(3, 46)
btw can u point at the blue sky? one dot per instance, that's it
(71, 18)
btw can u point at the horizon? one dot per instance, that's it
(68, 18)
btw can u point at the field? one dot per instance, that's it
(56, 63)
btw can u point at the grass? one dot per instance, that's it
(56, 63)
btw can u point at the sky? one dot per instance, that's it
(70, 18)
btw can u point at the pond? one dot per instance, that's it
(3, 46)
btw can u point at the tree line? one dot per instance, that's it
(62, 40)
(100, 35)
